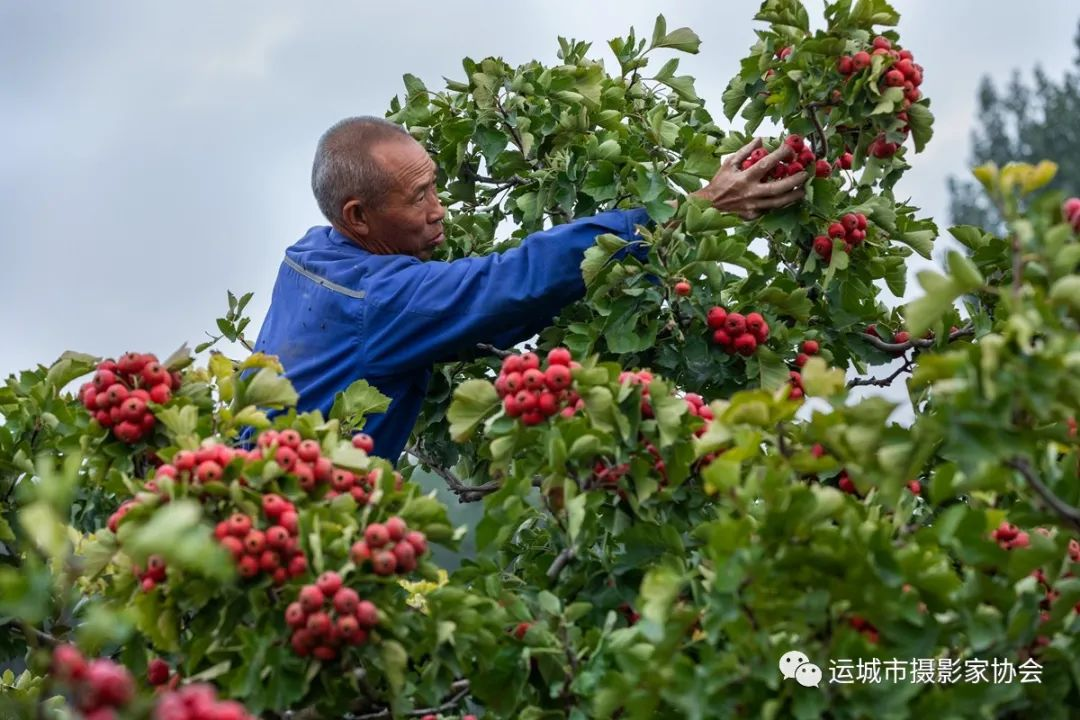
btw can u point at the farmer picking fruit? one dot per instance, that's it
(361, 298)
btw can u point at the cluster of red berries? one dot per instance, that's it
(903, 72)
(390, 547)
(642, 378)
(98, 687)
(865, 627)
(535, 394)
(804, 160)
(1070, 209)
(198, 702)
(117, 397)
(327, 616)
(696, 405)
(274, 551)
(735, 332)
(153, 575)
(807, 349)
(795, 381)
(1010, 537)
(851, 228)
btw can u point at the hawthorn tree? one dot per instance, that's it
(667, 530)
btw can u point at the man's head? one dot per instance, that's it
(376, 185)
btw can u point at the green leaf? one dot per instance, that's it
(921, 122)
(393, 661)
(1066, 291)
(940, 292)
(819, 380)
(269, 389)
(353, 404)
(921, 241)
(683, 39)
(772, 371)
(964, 272)
(473, 401)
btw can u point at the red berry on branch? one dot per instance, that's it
(375, 535)
(836, 230)
(716, 317)
(845, 65)
(295, 615)
(311, 598)
(418, 540)
(157, 672)
(801, 359)
(823, 246)
(682, 288)
(383, 562)
(558, 356)
(745, 344)
(860, 60)
(328, 583)
(822, 168)
(735, 324)
(558, 377)
(810, 347)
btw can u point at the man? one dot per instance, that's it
(359, 299)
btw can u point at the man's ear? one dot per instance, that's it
(352, 215)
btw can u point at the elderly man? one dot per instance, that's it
(360, 299)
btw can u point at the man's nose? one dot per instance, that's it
(438, 212)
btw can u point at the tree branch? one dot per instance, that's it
(897, 348)
(823, 149)
(882, 382)
(1067, 512)
(460, 688)
(561, 562)
(494, 350)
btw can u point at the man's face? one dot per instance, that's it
(409, 218)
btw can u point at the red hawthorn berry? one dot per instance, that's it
(326, 653)
(745, 344)
(810, 347)
(383, 562)
(367, 614)
(871, 329)
(860, 60)
(836, 230)
(806, 156)
(901, 337)
(208, 472)
(914, 487)
(784, 52)
(559, 356)
(396, 528)
(735, 325)
(273, 505)
(322, 469)
(290, 521)
(795, 393)
(846, 160)
(845, 65)
(68, 663)
(882, 42)
(289, 438)
(762, 333)
(558, 377)
(302, 642)
(363, 441)
(526, 400)
(128, 432)
(255, 542)
(342, 480)
(682, 288)
(823, 246)
(109, 683)
(269, 561)
(405, 556)
(818, 450)
(548, 404)
(360, 552)
(234, 546)
(514, 382)
(297, 565)
(285, 457)
(184, 460)
(311, 598)
(534, 379)
(895, 78)
(754, 321)
(530, 361)
(295, 615)
(801, 359)
(157, 672)
(329, 583)
(795, 142)
(794, 168)
(248, 566)
(221, 530)
(319, 624)
(822, 168)
(716, 318)
(721, 338)
(845, 484)
(310, 450)
(418, 540)
(239, 525)
(512, 364)
(346, 601)
(305, 476)
(347, 626)
(521, 629)
(359, 494)
(376, 535)
(511, 406)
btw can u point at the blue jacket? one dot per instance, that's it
(339, 313)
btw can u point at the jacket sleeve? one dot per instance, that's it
(426, 312)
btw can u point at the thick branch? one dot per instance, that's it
(1067, 512)
(561, 562)
(465, 493)
(898, 348)
(882, 382)
(822, 150)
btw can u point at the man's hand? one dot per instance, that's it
(743, 192)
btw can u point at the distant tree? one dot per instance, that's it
(1025, 123)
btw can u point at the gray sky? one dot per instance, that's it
(155, 155)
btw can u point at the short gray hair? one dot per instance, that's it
(344, 168)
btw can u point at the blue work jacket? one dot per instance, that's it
(339, 313)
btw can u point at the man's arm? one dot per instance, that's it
(424, 313)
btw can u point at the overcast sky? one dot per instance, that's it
(155, 155)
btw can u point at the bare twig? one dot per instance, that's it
(494, 350)
(560, 562)
(460, 688)
(882, 382)
(1067, 512)
(822, 149)
(465, 493)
